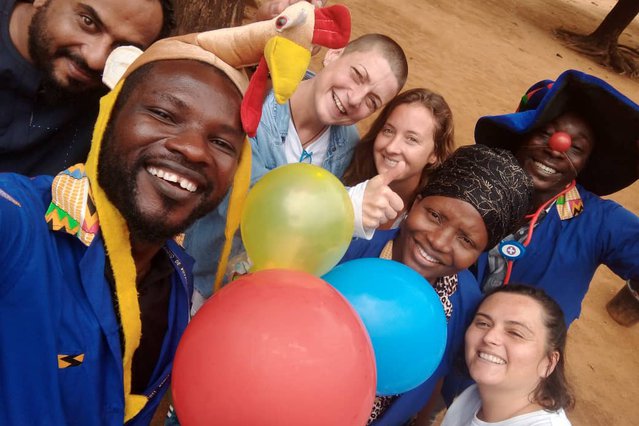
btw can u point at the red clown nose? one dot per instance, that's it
(560, 142)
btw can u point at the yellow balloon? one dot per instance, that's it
(299, 217)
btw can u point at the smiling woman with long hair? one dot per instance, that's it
(410, 137)
(515, 351)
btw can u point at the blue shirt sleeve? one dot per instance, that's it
(618, 240)
(17, 221)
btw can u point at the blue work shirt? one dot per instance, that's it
(60, 350)
(563, 255)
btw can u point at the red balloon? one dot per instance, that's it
(276, 347)
(560, 141)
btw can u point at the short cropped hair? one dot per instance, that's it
(388, 47)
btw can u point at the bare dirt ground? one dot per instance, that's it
(482, 55)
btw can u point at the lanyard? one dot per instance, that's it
(533, 222)
(306, 156)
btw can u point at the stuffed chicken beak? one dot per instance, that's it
(287, 62)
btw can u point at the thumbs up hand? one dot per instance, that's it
(381, 203)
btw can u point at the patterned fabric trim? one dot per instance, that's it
(179, 238)
(72, 209)
(379, 406)
(387, 251)
(570, 204)
(446, 287)
(66, 361)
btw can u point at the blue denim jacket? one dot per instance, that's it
(205, 238)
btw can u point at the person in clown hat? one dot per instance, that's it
(94, 292)
(578, 139)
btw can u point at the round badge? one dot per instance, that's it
(512, 250)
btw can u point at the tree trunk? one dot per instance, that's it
(615, 22)
(201, 15)
(602, 44)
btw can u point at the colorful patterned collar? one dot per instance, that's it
(570, 204)
(72, 209)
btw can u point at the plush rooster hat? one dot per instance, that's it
(281, 47)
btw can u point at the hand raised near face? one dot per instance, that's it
(269, 9)
(381, 203)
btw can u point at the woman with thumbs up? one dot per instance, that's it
(410, 137)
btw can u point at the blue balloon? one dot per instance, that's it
(403, 316)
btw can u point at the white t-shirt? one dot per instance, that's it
(356, 194)
(315, 152)
(463, 412)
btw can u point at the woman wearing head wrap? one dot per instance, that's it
(577, 138)
(475, 198)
